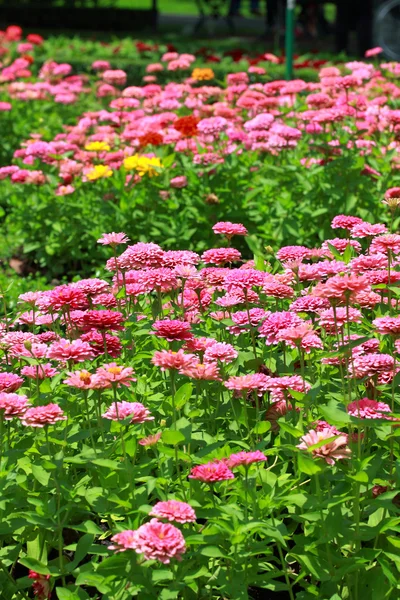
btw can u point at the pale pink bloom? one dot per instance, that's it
(41, 371)
(82, 380)
(331, 319)
(179, 182)
(245, 458)
(345, 222)
(114, 77)
(220, 256)
(331, 451)
(113, 239)
(372, 364)
(277, 290)
(64, 190)
(40, 416)
(113, 374)
(386, 243)
(119, 411)
(309, 304)
(387, 325)
(174, 510)
(342, 287)
(10, 382)
(207, 371)
(172, 329)
(75, 351)
(368, 409)
(229, 229)
(155, 540)
(293, 253)
(221, 351)
(280, 386)
(362, 230)
(373, 52)
(13, 405)
(150, 440)
(211, 472)
(276, 321)
(257, 382)
(100, 65)
(167, 359)
(363, 263)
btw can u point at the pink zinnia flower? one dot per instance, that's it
(174, 510)
(229, 229)
(41, 371)
(211, 472)
(387, 325)
(166, 359)
(67, 296)
(345, 222)
(173, 329)
(206, 372)
(243, 383)
(280, 386)
(39, 416)
(119, 411)
(150, 440)
(81, 379)
(368, 409)
(331, 451)
(10, 382)
(373, 52)
(113, 239)
(362, 230)
(112, 373)
(75, 351)
(386, 243)
(220, 256)
(13, 405)
(155, 540)
(221, 351)
(275, 322)
(371, 365)
(102, 320)
(245, 458)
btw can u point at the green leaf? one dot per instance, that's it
(34, 565)
(183, 394)
(172, 437)
(40, 474)
(65, 594)
(290, 429)
(307, 465)
(334, 411)
(212, 552)
(88, 527)
(262, 427)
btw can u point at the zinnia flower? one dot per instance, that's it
(113, 239)
(155, 540)
(331, 451)
(13, 405)
(112, 373)
(211, 472)
(119, 411)
(39, 416)
(245, 458)
(173, 329)
(174, 510)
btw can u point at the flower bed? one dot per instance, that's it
(165, 161)
(205, 427)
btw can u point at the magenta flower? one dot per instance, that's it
(155, 540)
(174, 510)
(211, 472)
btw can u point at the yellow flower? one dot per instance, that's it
(203, 74)
(143, 165)
(97, 147)
(99, 172)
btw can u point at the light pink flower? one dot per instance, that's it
(243, 383)
(245, 458)
(155, 540)
(119, 411)
(206, 372)
(221, 351)
(113, 374)
(13, 405)
(75, 351)
(39, 416)
(174, 510)
(229, 229)
(368, 409)
(150, 440)
(331, 451)
(40, 371)
(113, 239)
(10, 382)
(167, 359)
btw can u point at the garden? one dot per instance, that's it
(200, 326)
